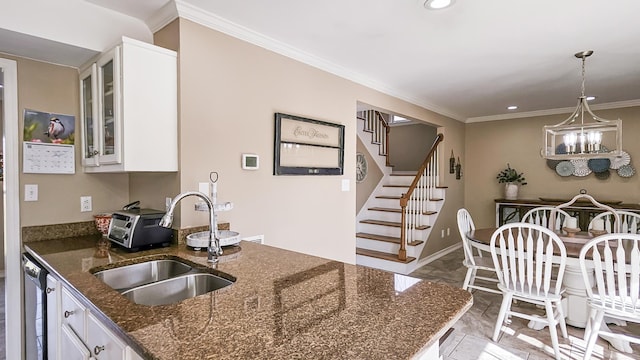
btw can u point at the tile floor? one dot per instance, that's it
(471, 338)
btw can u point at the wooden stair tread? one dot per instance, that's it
(398, 210)
(383, 255)
(391, 223)
(398, 197)
(395, 174)
(389, 239)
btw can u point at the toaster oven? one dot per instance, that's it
(138, 228)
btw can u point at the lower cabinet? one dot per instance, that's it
(73, 332)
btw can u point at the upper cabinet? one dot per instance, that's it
(129, 109)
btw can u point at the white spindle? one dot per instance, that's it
(635, 275)
(622, 271)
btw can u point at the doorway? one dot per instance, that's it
(11, 209)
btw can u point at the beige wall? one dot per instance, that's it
(1, 184)
(229, 93)
(409, 145)
(52, 88)
(374, 174)
(491, 145)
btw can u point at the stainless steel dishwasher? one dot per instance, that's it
(35, 308)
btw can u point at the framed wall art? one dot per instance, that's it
(307, 147)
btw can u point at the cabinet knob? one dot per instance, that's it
(50, 290)
(98, 349)
(68, 313)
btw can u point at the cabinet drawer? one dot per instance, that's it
(71, 347)
(102, 343)
(73, 314)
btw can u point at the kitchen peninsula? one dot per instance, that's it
(283, 305)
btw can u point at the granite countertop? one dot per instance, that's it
(283, 305)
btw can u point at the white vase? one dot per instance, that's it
(510, 191)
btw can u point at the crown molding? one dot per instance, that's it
(215, 22)
(162, 17)
(568, 110)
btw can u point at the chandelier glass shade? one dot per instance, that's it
(583, 135)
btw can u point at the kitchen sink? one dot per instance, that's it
(129, 276)
(176, 289)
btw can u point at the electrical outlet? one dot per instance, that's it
(448, 231)
(85, 203)
(442, 233)
(256, 238)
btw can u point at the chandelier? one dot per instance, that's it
(583, 135)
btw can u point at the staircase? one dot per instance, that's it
(395, 223)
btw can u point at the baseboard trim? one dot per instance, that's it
(427, 259)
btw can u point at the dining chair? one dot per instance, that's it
(523, 255)
(543, 215)
(473, 257)
(629, 221)
(615, 292)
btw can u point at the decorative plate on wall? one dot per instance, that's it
(561, 149)
(581, 167)
(553, 163)
(626, 171)
(565, 168)
(361, 167)
(619, 161)
(599, 165)
(604, 175)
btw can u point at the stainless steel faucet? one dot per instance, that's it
(214, 250)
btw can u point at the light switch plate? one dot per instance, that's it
(31, 192)
(345, 185)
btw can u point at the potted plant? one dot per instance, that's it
(512, 179)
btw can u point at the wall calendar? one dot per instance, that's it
(43, 158)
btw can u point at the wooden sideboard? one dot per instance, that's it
(508, 211)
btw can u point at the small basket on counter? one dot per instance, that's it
(102, 221)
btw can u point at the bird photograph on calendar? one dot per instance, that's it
(49, 128)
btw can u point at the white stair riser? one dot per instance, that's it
(400, 180)
(385, 216)
(384, 246)
(391, 266)
(379, 230)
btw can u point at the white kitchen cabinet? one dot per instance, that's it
(129, 112)
(71, 347)
(101, 342)
(53, 320)
(77, 333)
(73, 313)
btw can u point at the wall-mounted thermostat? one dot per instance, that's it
(250, 161)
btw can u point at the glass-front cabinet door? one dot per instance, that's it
(88, 114)
(108, 67)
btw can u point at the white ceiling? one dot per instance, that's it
(469, 61)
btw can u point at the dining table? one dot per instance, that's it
(574, 303)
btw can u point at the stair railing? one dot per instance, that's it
(375, 123)
(414, 202)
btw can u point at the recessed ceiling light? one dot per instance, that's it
(589, 98)
(437, 4)
(512, 107)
